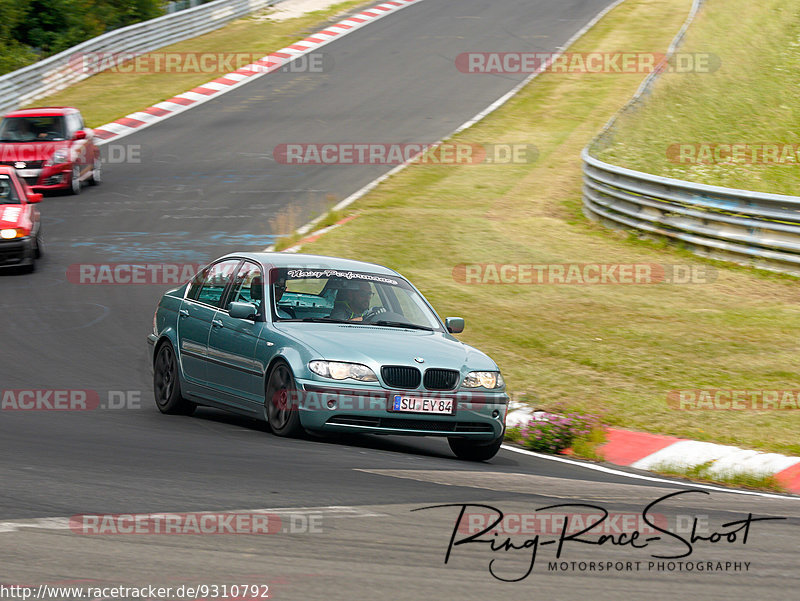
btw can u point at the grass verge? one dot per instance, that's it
(110, 95)
(702, 473)
(617, 350)
(750, 99)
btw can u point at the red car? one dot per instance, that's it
(20, 229)
(50, 148)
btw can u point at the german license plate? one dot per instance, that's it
(416, 404)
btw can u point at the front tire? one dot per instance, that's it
(280, 402)
(37, 249)
(75, 184)
(97, 173)
(472, 450)
(167, 385)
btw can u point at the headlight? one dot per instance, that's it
(342, 371)
(10, 234)
(485, 379)
(59, 156)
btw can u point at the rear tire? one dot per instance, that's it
(471, 450)
(167, 385)
(280, 402)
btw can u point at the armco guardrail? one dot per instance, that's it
(759, 229)
(754, 228)
(61, 70)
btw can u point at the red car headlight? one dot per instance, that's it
(11, 233)
(58, 157)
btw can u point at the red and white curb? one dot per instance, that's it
(268, 64)
(646, 451)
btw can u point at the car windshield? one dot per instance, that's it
(8, 195)
(343, 296)
(32, 129)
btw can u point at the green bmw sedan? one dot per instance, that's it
(324, 344)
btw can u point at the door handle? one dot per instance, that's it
(217, 323)
(184, 312)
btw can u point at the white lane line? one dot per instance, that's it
(490, 109)
(615, 472)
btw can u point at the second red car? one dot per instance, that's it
(50, 148)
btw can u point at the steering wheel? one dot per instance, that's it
(371, 314)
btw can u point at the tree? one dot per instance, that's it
(50, 26)
(13, 55)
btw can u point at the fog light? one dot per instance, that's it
(495, 414)
(331, 404)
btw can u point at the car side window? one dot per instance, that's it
(248, 287)
(196, 284)
(209, 287)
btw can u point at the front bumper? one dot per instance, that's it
(478, 415)
(56, 177)
(19, 251)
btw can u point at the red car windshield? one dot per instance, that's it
(8, 195)
(32, 129)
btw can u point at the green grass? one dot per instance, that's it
(751, 98)
(110, 95)
(700, 473)
(614, 350)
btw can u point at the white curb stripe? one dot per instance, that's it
(123, 126)
(607, 470)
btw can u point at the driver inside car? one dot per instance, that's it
(278, 289)
(352, 303)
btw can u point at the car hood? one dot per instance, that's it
(373, 345)
(12, 215)
(28, 152)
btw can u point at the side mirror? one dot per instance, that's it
(454, 325)
(79, 135)
(242, 310)
(34, 197)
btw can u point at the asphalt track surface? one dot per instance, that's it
(207, 184)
